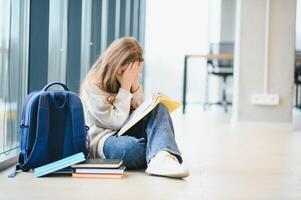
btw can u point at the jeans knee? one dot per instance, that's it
(133, 154)
(130, 149)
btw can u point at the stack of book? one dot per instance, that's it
(78, 166)
(99, 168)
(60, 166)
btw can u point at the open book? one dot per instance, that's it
(146, 107)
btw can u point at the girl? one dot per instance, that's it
(110, 92)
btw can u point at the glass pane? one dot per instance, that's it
(8, 84)
(6, 106)
(57, 40)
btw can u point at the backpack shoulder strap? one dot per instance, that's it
(78, 123)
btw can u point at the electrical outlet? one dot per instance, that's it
(265, 99)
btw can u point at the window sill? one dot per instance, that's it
(8, 160)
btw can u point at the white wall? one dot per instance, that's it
(298, 25)
(215, 7)
(249, 60)
(174, 28)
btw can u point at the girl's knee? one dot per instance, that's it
(161, 108)
(130, 149)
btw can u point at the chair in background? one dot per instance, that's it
(297, 79)
(220, 68)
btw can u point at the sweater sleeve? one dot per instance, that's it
(107, 115)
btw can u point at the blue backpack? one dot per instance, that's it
(52, 128)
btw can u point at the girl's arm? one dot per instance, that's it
(110, 115)
(136, 88)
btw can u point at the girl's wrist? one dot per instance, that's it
(135, 89)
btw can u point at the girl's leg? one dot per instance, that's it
(160, 133)
(157, 129)
(162, 152)
(148, 142)
(130, 149)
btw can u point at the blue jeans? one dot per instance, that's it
(139, 144)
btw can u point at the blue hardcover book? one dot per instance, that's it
(58, 165)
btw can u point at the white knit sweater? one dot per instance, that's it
(105, 118)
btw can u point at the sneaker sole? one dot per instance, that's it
(178, 175)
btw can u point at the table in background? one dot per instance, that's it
(208, 57)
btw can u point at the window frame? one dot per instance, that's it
(18, 56)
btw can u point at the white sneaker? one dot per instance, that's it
(165, 164)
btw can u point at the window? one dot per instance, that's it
(65, 38)
(7, 103)
(13, 71)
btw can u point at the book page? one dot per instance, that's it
(146, 107)
(138, 114)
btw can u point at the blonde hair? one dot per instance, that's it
(103, 73)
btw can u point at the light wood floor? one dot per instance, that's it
(225, 163)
